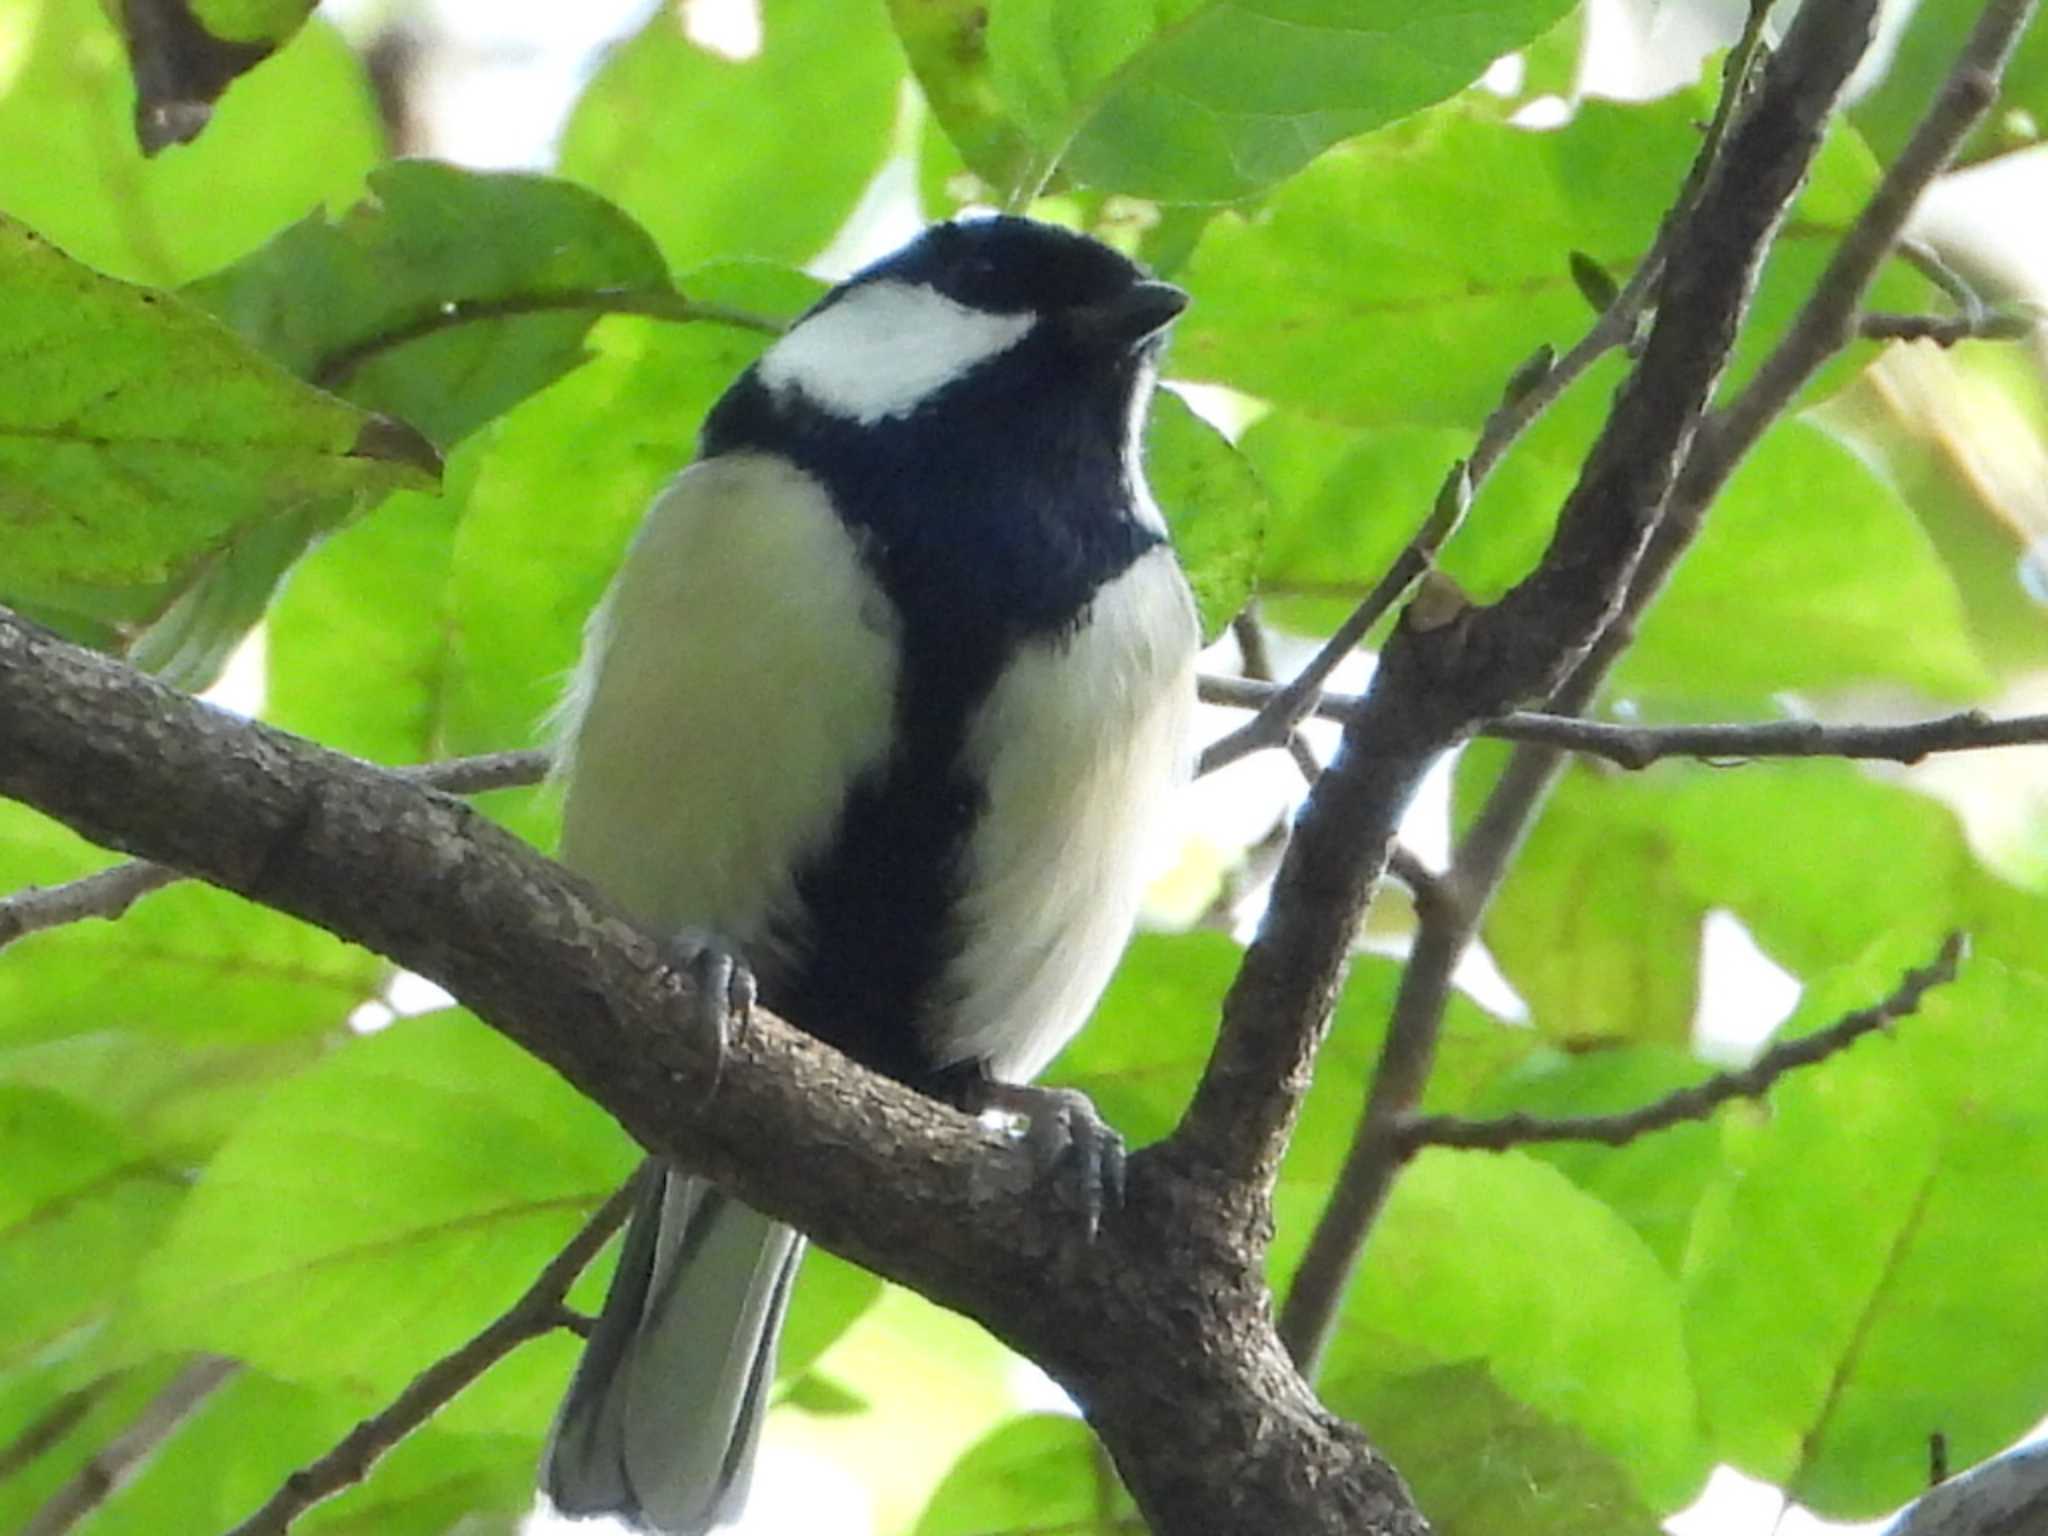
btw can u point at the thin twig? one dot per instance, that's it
(1499, 1133)
(124, 1456)
(49, 1430)
(108, 893)
(1827, 321)
(1293, 701)
(1529, 393)
(1947, 330)
(1638, 746)
(339, 366)
(535, 1313)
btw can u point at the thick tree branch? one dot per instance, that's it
(1556, 633)
(536, 1312)
(1434, 687)
(108, 893)
(1158, 1326)
(1697, 1102)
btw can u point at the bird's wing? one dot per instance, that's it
(739, 676)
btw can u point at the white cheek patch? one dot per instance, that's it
(886, 348)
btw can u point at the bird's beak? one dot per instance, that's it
(1141, 311)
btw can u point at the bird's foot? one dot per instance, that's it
(721, 992)
(1072, 1148)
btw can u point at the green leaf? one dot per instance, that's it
(64, 1261)
(1034, 1473)
(1811, 573)
(764, 156)
(251, 21)
(79, 1206)
(1497, 1259)
(1211, 100)
(1905, 418)
(831, 1295)
(137, 435)
(1655, 1183)
(1144, 1050)
(179, 1099)
(334, 302)
(1347, 502)
(1481, 1463)
(359, 646)
(1374, 289)
(191, 964)
(1819, 858)
(1593, 926)
(1867, 1273)
(295, 134)
(73, 1417)
(1214, 504)
(947, 44)
(603, 441)
(465, 1167)
(1369, 290)
(244, 1440)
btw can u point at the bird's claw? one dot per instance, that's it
(1071, 1147)
(721, 993)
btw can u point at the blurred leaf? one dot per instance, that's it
(297, 133)
(80, 1203)
(820, 1396)
(763, 156)
(191, 964)
(1494, 1258)
(359, 644)
(53, 1422)
(525, 576)
(250, 21)
(1481, 1463)
(1347, 502)
(1810, 574)
(1592, 926)
(179, 1099)
(1818, 858)
(1373, 289)
(335, 302)
(830, 1297)
(1891, 1195)
(1914, 418)
(1034, 1473)
(1926, 51)
(403, 1197)
(1214, 504)
(947, 44)
(1199, 101)
(1655, 1182)
(138, 437)
(245, 1439)
(65, 1260)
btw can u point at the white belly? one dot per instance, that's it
(1082, 745)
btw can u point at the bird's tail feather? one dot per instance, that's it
(660, 1422)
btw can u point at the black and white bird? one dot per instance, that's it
(889, 697)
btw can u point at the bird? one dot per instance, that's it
(881, 719)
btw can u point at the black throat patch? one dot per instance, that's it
(990, 517)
